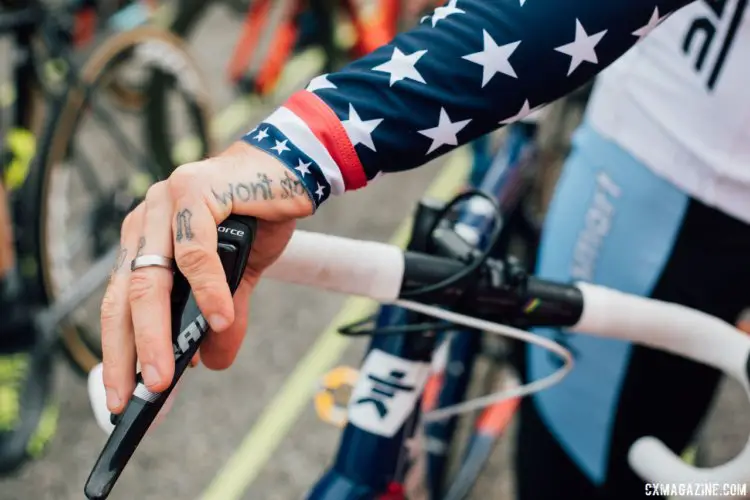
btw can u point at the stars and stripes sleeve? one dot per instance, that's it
(467, 69)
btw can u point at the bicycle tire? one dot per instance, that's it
(485, 373)
(497, 359)
(80, 351)
(521, 240)
(186, 15)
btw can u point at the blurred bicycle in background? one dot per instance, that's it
(110, 101)
(265, 42)
(76, 157)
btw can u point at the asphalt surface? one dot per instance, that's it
(215, 410)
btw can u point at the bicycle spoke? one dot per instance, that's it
(120, 137)
(77, 293)
(89, 177)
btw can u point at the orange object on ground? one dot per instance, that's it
(278, 52)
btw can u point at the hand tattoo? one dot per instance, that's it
(120, 260)
(260, 189)
(291, 186)
(141, 244)
(184, 232)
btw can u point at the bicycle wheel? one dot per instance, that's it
(459, 450)
(82, 204)
(447, 462)
(273, 47)
(261, 36)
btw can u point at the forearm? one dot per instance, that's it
(472, 67)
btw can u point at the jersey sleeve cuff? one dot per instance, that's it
(309, 139)
(269, 138)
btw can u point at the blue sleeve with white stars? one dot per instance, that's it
(469, 68)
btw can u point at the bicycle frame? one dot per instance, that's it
(22, 24)
(272, 31)
(368, 465)
(386, 273)
(19, 142)
(500, 294)
(504, 180)
(22, 178)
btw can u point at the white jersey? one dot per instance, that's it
(679, 101)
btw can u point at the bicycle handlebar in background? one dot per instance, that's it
(379, 271)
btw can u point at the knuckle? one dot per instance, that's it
(109, 371)
(193, 260)
(145, 343)
(207, 288)
(129, 222)
(109, 308)
(156, 193)
(112, 369)
(141, 287)
(110, 381)
(182, 180)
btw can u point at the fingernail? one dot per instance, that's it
(113, 400)
(218, 322)
(150, 376)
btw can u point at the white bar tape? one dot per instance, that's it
(679, 330)
(344, 265)
(664, 326)
(98, 398)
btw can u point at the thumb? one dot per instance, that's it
(271, 238)
(219, 350)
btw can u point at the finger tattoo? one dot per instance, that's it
(184, 231)
(141, 244)
(120, 260)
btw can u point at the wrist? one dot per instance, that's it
(282, 194)
(308, 160)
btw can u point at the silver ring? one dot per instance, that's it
(151, 261)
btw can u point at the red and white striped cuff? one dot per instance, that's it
(315, 129)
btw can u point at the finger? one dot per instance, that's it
(218, 351)
(271, 238)
(149, 293)
(195, 360)
(195, 240)
(118, 348)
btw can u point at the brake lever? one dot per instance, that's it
(235, 238)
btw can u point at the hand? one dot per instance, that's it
(178, 220)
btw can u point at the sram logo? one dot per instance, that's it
(188, 336)
(229, 230)
(710, 37)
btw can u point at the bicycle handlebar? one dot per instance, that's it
(379, 271)
(679, 330)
